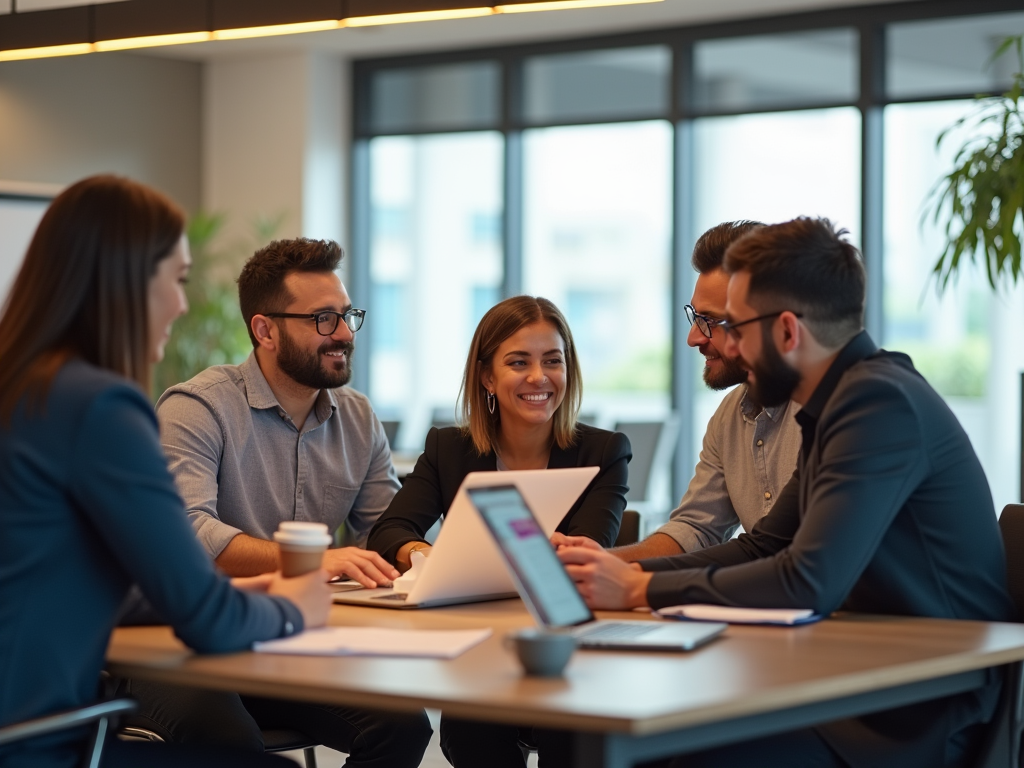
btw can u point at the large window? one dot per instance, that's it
(436, 267)
(597, 224)
(584, 172)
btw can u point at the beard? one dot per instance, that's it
(731, 374)
(307, 368)
(774, 379)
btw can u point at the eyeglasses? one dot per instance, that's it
(704, 323)
(730, 328)
(327, 322)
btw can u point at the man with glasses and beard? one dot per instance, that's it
(749, 452)
(277, 438)
(888, 512)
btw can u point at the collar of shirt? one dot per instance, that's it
(262, 397)
(858, 348)
(751, 410)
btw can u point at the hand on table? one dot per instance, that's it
(605, 581)
(559, 540)
(368, 568)
(309, 592)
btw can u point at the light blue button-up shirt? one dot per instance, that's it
(243, 466)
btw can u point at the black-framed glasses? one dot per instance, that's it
(704, 323)
(730, 328)
(327, 321)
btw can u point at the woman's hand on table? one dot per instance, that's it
(309, 592)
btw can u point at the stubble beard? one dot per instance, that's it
(307, 368)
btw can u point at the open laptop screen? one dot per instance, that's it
(531, 558)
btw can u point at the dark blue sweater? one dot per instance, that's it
(87, 508)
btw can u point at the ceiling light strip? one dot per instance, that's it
(46, 52)
(566, 5)
(277, 29)
(405, 18)
(127, 43)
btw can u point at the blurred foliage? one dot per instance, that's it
(212, 332)
(646, 370)
(959, 370)
(981, 201)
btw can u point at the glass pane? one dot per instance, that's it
(950, 56)
(597, 234)
(966, 342)
(795, 69)
(435, 268)
(448, 97)
(621, 83)
(773, 168)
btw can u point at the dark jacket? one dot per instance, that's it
(889, 512)
(449, 455)
(88, 507)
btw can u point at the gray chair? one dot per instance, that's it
(273, 741)
(391, 427)
(100, 713)
(1002, 746)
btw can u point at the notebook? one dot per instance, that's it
(464, 565)
(549, 593)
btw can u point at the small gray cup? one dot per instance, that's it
(541, 653)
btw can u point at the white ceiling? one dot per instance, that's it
(397, 39)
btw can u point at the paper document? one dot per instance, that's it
(731, 615)
(373, 641)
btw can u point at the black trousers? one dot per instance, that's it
(191, 716)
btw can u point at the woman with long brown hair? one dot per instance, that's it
(87, 505)
(521, 393)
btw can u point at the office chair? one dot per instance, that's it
(629, 530)
(1002, 745)
(100, 713)
(273, 741)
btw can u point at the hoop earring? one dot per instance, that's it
(492, 402)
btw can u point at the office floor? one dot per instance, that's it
(328, 758)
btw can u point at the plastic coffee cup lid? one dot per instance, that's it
(303, 534)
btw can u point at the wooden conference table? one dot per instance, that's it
(626, 707)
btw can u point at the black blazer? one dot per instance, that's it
(449, 455)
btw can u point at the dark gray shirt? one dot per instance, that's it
(243, 466)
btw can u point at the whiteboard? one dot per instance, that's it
(18, 221)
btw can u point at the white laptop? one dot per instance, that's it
(464, 565)
(550, 594)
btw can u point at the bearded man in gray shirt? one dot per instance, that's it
(749, 452)
(280, 438)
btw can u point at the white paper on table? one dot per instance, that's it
(732, 615)
(375, 641)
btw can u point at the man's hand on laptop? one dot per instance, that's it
(605, 581)
(559, 540)
(368, 568)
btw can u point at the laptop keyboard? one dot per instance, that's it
(618, 630)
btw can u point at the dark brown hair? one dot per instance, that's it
(502, 321)
(709, 250)
(807, 266)
(83, 288)
(261, 284)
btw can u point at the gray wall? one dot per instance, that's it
(65, 118)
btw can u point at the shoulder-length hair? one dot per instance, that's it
(502, 321)
(83, 288)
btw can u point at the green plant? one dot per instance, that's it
(212, 332)
(982, 198)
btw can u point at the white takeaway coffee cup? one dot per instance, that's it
(302, 546)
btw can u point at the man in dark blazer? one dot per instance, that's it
(889, 511)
